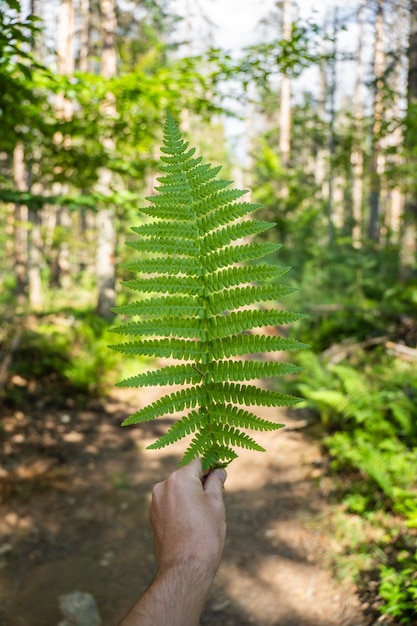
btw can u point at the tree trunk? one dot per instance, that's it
(84, 52)
(106, 231)
(65, 55)
(20, 225)
(64, 111)
(408, 248)
(332, 136)
(35, 261)
(357, 152)
(285, 98)
(377, 161)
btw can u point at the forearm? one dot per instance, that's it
(175, 597)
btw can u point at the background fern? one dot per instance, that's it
(199, 298)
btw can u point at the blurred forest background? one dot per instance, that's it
(317, 116)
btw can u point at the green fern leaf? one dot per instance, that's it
(201, 292)
(188, 424)
(169, 375)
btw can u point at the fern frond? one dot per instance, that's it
(221, 214)
(251, 395)
(237, 276)
(231, 436)
(185, 426)
(214, 456)
(163, 348)
(250, 370)
(223, 236)
(237, 345)
(168, 375)
(180, 230)
(182, 284)
(245, 296)
(167, 405)
(201, 293)
(165, 245)
(238, 254)
(237, 322)
(185, 327)
(243, 419)
(172, 266)
(171, 305)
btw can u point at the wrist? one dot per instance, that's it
(190, 570)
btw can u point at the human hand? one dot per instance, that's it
(188, 519)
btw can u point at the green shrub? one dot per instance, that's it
(398, 588)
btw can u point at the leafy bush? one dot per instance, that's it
(370, 414)
(69, 349)
(398, 588)
(368, 409)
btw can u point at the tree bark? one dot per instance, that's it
(332, 135)
(285, 97)
(35, 261)
(377, 161)
(84, 52)
(408, 247)
(64, 112)
(20, 225)
(106, 230)
(357, 152)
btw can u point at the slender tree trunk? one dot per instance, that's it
(285, 97)
(393, 197)
(357, 152)
(84, 52)
(35, 260)
(106, 231)
(332, 136)
(35, 244)
(20, 225)
(64, 112)
(65, 55)
(378, 106)
(321, 152)
(408, 247)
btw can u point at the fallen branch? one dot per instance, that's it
(339, 351)
(401, 351)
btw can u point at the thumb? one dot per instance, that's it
(214, 482)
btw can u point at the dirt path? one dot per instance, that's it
(75, 489)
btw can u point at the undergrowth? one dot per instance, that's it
(366, 401)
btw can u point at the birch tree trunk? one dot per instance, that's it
(408, 247)
(20, 225)
(106, 232)
(35, 258)
(377, 161)
(285, 96)
(34, 241)
(332, 136)
(84, 52)
(64, 112)
(357, 152)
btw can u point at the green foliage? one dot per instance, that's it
(67, 351)
(398, 587)
(205, 299)
(20, 103)
(370, 412)
(373, 410)
(367, 406)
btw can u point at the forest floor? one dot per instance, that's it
(75, 489)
